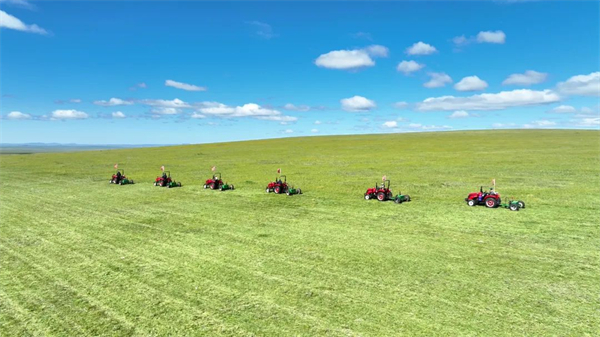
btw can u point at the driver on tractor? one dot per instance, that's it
(118, 178)
(164, 177)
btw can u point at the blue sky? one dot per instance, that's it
(195, 72)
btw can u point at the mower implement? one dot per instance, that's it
(216, 183)
(492, 199)
(281, 186)
(120, 178)
(382, 192)
(165, 180)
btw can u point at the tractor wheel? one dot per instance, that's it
(179, 184)
(212, 186)
(121, 182)
(381, 196)
(232, 188)
(367, 197)
(155, 183)
(521, 204)
(169, 186)
(268, 190)
(131, 181)
(491, 203)
(471, 202)
(397, 200)
(288, 193)
(299, 191)
(407, 197)
(514, 207)
(204, 186)
(277, 189)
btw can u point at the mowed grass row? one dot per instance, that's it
(82, 257)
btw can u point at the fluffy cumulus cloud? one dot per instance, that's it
(293, 107)
(196, 115)
(314, 130)
(401, 105)
(491, 37)
(18, 115)
(351, 59)
(437, 80)
(408, 67)
(113, 102)
(421, 48)
(564, 109)
(539, 124)
(68, 114)
(184, 86)
(288, 131)
(317, 122)
(528, 78)
(358, 104)
(581, 85)
(497, 101)
(10, 22)
(118, 114)
(175, 103)
(390, 124)
(247, 110)
(459, 114)
(471, 83)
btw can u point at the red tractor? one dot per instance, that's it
(216, 183)
(165, 180)
(281, 186)
(382, 192)
(490, 199)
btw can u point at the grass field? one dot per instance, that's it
(82, 257)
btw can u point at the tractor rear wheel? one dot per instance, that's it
(381, 196)
(491, 203)
(277, 189)
(521, 204)
(212, 186)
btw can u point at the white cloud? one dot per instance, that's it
(113, 102)
(390, 124)
(288, 131)
(293, 107)
(118, 114)
(421, 48)
(68, 114)
(491, 37)
(437, 80)
(176, 103)
(581, 85)
(400, 105)
(10, 22)
(165, 111)
(19, 3)
(377, 51)
(352, 59)
(498, 101)
(461, 40)
(184, 86)
(317, 122)
(544, 123)
(247, 110)
(471, 83)
(408, 67)
(459, 114)
(140, 85)
(503, 125)
(18, 115)
(357, 104)
(528, 78)
(75, 100)
(264, 30)
(314, 130)
(587, 122)
(429, 127)
(196, 115)
(564, 109)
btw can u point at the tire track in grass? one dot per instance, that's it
(25, 320)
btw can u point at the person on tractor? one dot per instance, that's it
(279, 181)
(119, 177)
(164, 178)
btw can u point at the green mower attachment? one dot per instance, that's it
(400, 198)
(513, 205)
(293, 190)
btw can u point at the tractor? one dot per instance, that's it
(382, 192)
(216, 183)
(281, 186)
(492, 199)
(166, 181)
(120, 178)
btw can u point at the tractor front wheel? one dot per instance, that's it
(471, 202)
(367, 197)
(491, 203)
(381, 196)
(268, 190)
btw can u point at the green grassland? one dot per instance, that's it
(82, 257)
